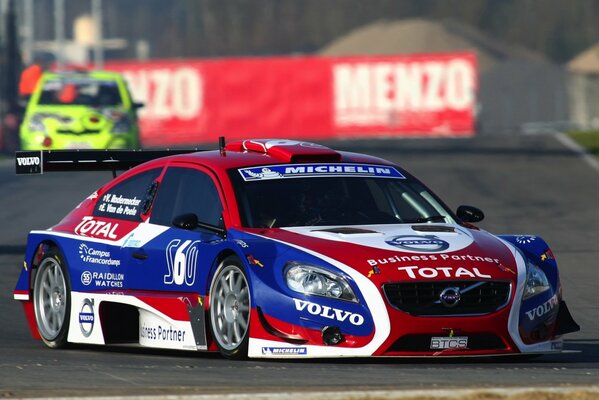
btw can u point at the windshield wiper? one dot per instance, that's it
(432, 218)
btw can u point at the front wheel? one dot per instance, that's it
(230, 307)
(52, 300)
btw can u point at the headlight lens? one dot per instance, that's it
(536, 281)
(122, 125)
(308, 279)
(36, 123)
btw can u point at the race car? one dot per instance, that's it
(281, 249)
(80, 110)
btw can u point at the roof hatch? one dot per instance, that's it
(286, 150)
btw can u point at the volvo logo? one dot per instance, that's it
(450, 296)
(87, 317)
(424, 243)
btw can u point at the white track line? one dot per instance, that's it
(591, 160)
(365, 395)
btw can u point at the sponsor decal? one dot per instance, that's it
(94, 256)
(169, 93)
(241, 243)
(273, 351)
(415, 272)
(312, 170)
(430, 257)
(377, 93)
(93, 196)
(557, 345)
(374, 271)
(181, 261)
(328, 312)
(425, 243)
(28, 161)
(547, 255)
(253, 261)
(443, 343)
(161, 333)
(119, 205)
(102, 279)
(525, 239)
(87, 317)
(91, 227)
(543, 309)
(131, 242)
(86, 278)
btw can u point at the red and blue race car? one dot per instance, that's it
(280, 248)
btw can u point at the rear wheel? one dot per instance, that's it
(230, 307)
(52, 300)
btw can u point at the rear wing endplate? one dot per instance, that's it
(40, 161)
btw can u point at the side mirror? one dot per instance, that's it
(137, 105)
(186, 221)
(470, 214)
(190, 221)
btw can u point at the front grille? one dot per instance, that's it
(422, 343)
(63, 131)
(423, 298)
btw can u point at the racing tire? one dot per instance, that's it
(52, 299)
(230, 309)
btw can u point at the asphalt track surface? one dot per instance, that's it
(524, 184)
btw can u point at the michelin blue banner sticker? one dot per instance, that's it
(311, 170)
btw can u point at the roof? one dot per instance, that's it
(419, 35)
(586, 62)
(102, 75)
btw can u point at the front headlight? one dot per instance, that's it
(536, 281)
(308, 279)
(36, 123)
(122, 125)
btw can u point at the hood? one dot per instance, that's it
(76, 119)
(416, 252)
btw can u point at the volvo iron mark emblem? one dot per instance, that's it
(450, 296)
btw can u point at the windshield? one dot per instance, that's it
(335, 200)
(84, 92)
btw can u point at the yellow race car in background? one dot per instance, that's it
(80, 110)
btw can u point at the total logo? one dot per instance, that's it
(426, 243)
(91, 227)
(87, 317)
(444, 272)
(328, 312)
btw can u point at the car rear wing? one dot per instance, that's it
(40, 161)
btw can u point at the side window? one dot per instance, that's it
(186, 190)
(125, 200)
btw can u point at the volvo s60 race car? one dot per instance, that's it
(279, 248)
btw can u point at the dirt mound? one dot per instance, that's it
(424, 36)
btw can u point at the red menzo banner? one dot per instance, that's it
(196, 101)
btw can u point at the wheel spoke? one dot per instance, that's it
(238, 282)
(224, 285)
(229, 335)
(242, 321)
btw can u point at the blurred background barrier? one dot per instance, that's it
(321, 97)
(206, 68)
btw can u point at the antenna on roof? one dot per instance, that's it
(221, 145)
